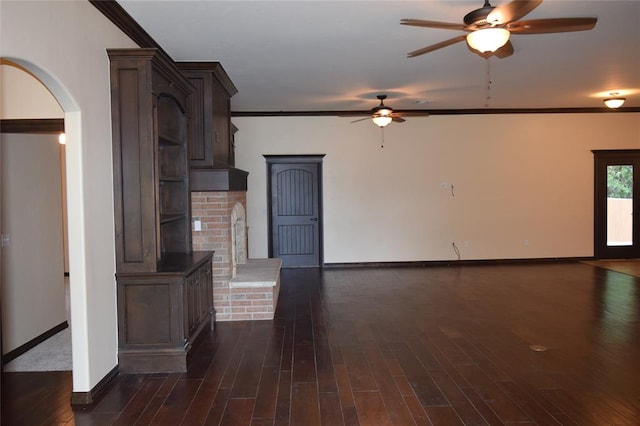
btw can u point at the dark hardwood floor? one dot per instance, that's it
(392, 346)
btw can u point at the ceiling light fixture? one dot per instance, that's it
(488, 39)
(614, 102)
(381, 115)
(62, 139)
(381, 120)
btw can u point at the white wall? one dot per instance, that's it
(63, 43)
(33, 293)
(523, 184)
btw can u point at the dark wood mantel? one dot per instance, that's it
(220, 179)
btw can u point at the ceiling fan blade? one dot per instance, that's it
(436, 46)
(354, 113)
(505, 51)
(556, 25)
(413, 113)
(432, 24)
(361, 119)
(512, 11)
(397, 119)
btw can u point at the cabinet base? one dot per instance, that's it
(169, 360)
(159, 361)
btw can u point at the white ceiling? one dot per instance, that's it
(337, 55)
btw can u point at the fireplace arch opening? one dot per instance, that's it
(238, 237)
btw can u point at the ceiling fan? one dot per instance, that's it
(489, 27)
(382, 114)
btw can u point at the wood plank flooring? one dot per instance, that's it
(392, 346)
(626, 266)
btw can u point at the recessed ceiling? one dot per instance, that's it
(337, 55)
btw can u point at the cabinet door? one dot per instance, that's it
(200, 128)
(221, 125)
(206, 291)
(210, 144)
(134, 169)
(192, 284)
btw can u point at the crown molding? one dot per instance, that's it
(116, 14)
(478, 111)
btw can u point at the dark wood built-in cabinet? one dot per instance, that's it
(151, 180)
(211, 149)
(210, 143)
(164, 289)
(161, 313)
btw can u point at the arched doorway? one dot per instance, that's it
(74, 204)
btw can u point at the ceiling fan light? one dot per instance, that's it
(488, 39)
(614, 102)
(383, 111)
(381, 120)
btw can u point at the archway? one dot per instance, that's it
(75, 210)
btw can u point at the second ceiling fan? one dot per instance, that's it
(382, 115)
(490, 26)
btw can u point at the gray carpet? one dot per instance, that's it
(54, 354)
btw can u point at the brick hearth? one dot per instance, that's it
(243, 289)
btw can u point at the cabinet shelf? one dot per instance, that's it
(171, 179)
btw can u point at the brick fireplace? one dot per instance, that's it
(243, 288)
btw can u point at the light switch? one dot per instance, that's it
(197, 225)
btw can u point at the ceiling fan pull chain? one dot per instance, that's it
(381, 137)
(488, 83)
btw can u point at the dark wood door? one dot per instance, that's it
(617, 204)
(295, 215)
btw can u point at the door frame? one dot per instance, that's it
(603, 158)
(296, 159)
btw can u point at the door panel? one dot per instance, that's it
(295, 189)
(617, 222)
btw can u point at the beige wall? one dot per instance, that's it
(523, 184)
(32, 263)
(64, 44)
(24, 96)
(35, 221)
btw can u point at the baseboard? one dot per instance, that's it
(11, 355)
(428, 263)
(88, 398)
